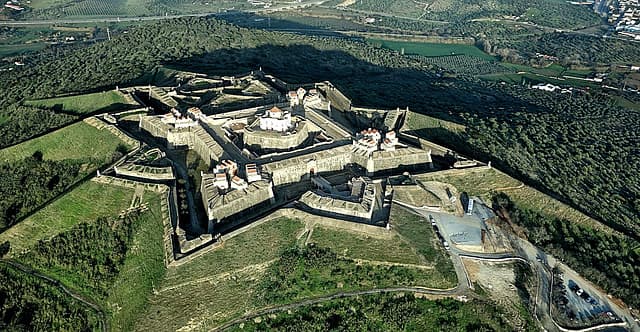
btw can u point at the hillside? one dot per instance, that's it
(579, 147)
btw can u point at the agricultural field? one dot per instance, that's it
(456, 58)
(70, 209)
(43, 9)
(552, 13)
(77, 141)
(431, 49)
(20, 49)
(466, 64)
(85, 104)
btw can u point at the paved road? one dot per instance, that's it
(85, 301)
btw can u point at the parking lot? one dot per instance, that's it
(465, 230)
(577, 307)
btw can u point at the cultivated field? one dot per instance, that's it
(122, 8)
(432, 49)
(77, 141)
(85, 203)
(83, 104)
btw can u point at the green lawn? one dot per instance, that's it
(82, 104)
(431, 49)
(77, 141)
(360, 246)
(85, 203)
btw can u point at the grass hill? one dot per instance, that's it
(38, 170)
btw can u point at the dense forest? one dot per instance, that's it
(28, 303)
(386, 312)
(611, 261)
(31, 182)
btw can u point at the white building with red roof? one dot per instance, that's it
(276, 119)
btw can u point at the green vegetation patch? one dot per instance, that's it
(385, 312)
(418, 231)
(105, 101)
(255, 246)
(38, 170)
(360, 246)
(313, 271)
(115, 261)
(142, 270)
(32, 304)
(19, 49)
(431, 49)
(77, 141)
(219, 284)
(87, 202)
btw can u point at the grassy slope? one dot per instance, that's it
(219, 284)
(418, 231)
(81, 104)
(142, 270)
(77, 141)
(85, 203)
(360, 246)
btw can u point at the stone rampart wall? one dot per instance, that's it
(337, 99)
(276, 141)
(196, 138)
(384, 160)
(241, 202)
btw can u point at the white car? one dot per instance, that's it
(579, 291)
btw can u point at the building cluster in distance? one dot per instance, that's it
(625, 17)
(304, 147)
